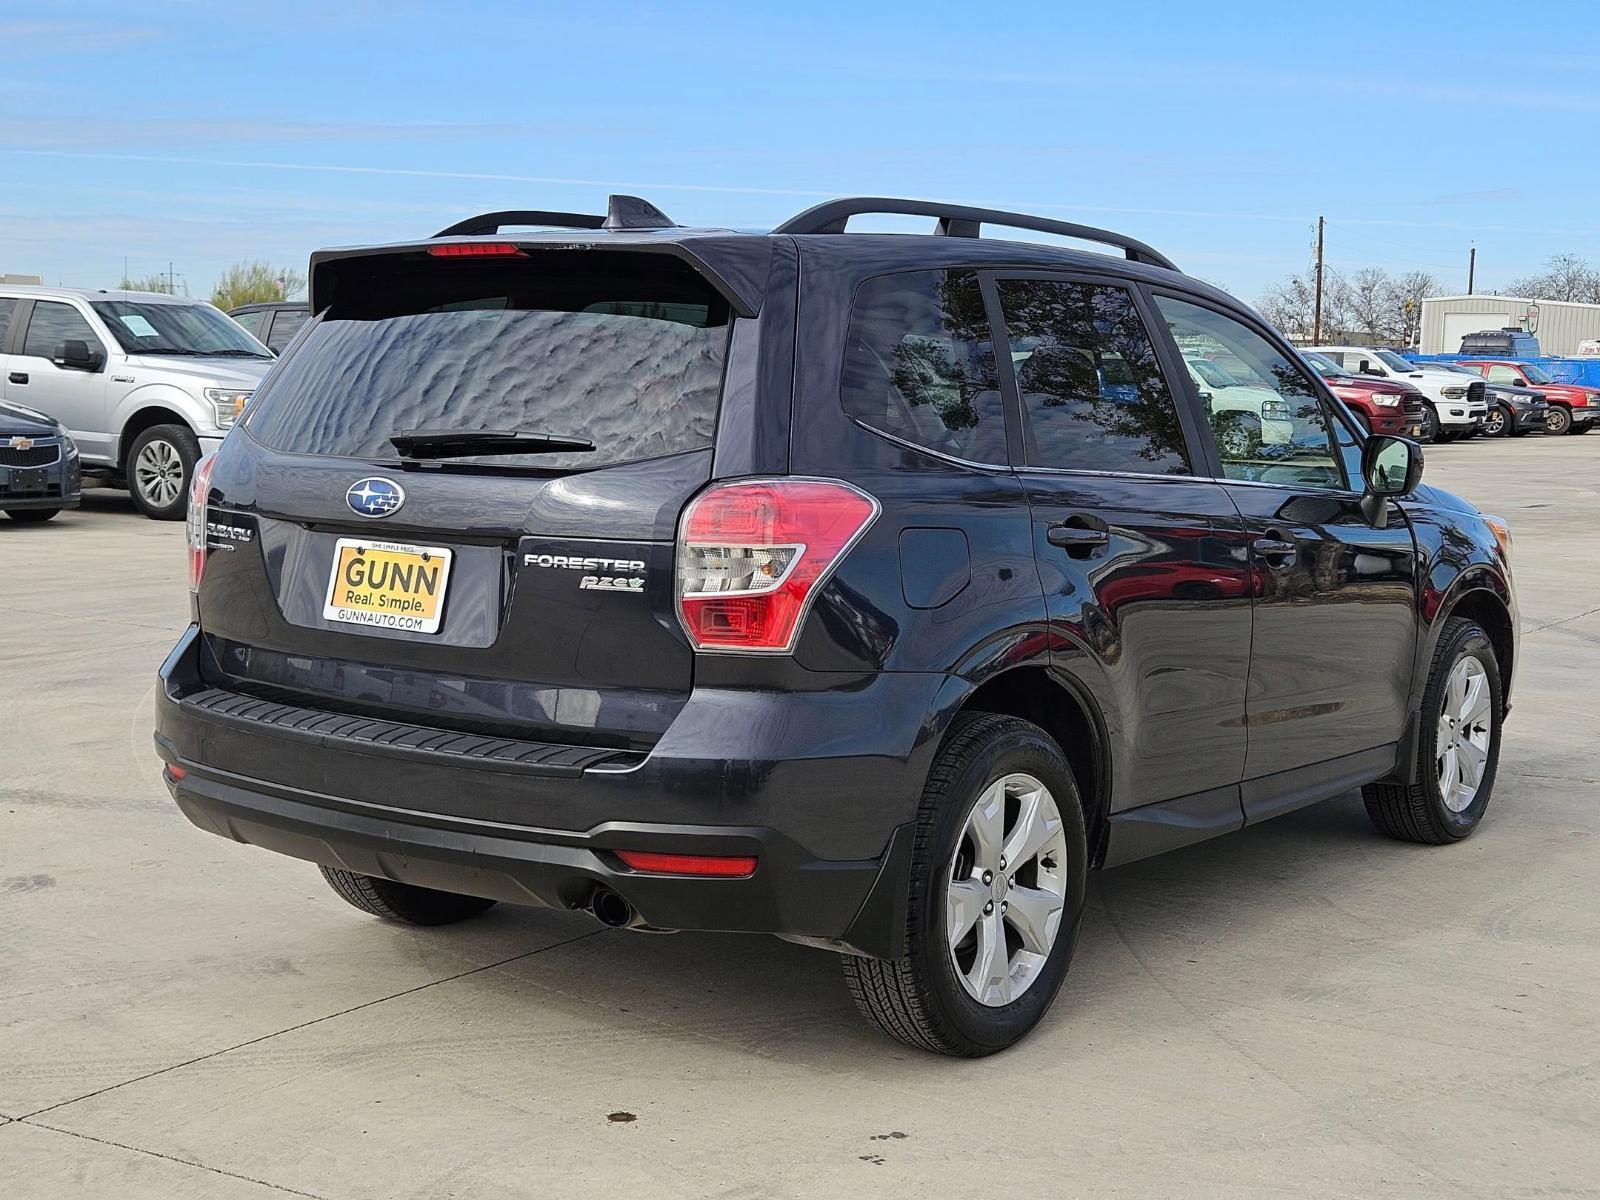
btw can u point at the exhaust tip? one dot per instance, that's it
(610, 909)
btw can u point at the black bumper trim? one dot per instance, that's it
(345, 732)
(791, 893)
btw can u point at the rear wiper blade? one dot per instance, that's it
(452, 443)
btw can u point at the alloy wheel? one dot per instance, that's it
(1461, 743)
(158, 473)
(1557, 419)
(1495, 423)
(1007, 890)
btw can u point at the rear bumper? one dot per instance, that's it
(830, 830)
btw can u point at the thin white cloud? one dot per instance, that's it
(638, 185)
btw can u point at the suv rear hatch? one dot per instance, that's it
(525, 594)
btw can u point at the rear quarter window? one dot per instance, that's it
(919, 364)
(625, 350)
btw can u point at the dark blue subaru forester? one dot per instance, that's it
(862, 589)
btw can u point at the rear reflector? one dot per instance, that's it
(688, 864)
(175, 773)
(475, 250)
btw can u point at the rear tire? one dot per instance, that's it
(1558, 420)
(403, 902)
(159, 467)
(32, 516)
(929, 997)
(1452, 719)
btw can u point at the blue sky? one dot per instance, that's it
(204, 134)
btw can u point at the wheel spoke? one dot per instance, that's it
(1470, 757)
(1036, 915)
(1034, 829)
(987, 826)
(1475, 706)
(990, 977)
(964, 908)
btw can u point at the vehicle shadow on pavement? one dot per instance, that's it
(1220, 905)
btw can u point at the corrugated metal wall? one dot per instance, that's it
(1561, 326)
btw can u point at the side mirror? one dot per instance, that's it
(1521, 382)
(75, 355)
(1368, 368)
(1390, 466)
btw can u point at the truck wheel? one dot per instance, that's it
(160, 464)
(1458, 747)
(32, 516)
(1430, 424)
(996, 899)
(403, 902)
(1496, 423)
(1558, 420)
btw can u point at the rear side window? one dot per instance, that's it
(1092, 391)
(625, 350)
(285, 324)
(251, 321)
(6, 307)
(919, 364)
(52, 324)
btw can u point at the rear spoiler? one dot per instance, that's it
(735, 264)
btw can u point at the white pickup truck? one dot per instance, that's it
(1453, 405)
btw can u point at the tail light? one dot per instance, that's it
(199, 491)
(753, 554)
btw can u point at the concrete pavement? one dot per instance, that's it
(1301, 1008)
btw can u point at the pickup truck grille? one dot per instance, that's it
(1475, 392)
(1413, 405)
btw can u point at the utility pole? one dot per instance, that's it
(1472, 268)
(1316, 319)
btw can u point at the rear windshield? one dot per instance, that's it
(625, 350)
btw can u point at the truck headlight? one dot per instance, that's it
(1453, 393)
(1386, 401)
(229, 403)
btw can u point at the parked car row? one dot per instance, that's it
(142, 384)
(1493, 397)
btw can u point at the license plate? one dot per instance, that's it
(388, 585)
(32, 481)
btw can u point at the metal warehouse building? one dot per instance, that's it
(1558, 325)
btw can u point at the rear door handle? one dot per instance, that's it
(1080, 538)
(18, 377)
(1275, 550)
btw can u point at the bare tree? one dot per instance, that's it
(1367, 302)
(1291, 305)
(1404, 298)
(1565, 277)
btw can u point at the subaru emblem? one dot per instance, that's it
(375, 497)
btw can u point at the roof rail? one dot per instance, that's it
(622, 212)
(960, 220)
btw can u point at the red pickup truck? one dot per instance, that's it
(1384, 406)
(1573, 408)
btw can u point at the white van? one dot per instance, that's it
(144, 383)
